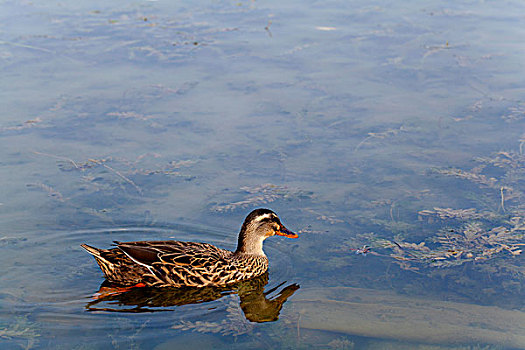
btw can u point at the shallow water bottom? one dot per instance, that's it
(386, 315)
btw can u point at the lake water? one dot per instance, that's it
(391, 129)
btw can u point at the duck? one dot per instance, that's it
(191, 264)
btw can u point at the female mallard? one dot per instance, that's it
(178, 264)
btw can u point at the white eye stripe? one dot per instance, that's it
(264, 216)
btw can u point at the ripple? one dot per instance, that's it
(54, 279)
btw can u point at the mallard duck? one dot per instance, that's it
(179, 264)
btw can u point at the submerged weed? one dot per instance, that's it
(21, 331)
(491, 240)
(235, 323)
(262, 194)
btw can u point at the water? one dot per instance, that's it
(353, 121)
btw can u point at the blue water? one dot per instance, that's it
(171, 120)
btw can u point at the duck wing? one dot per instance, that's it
(176, 263)
(149, 252)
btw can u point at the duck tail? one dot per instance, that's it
(92, 250)
(107, 267)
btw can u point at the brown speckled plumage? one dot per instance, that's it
(178, 264)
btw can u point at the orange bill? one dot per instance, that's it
(283, 231)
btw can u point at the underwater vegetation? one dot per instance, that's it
(234, 323)
(477, 235)
(469, 242)
(20, 331)
(150, 119)
(97, 188)
(263, 194)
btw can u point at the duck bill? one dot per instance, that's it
(283, 231)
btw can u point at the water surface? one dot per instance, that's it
(359, 123)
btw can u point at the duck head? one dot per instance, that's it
(259, 225)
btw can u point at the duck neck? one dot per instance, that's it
(251, 245)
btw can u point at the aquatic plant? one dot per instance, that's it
(456, 247)
(459, 214)
(235, 323)
(50, 191)
(108, 175)
(126, 334)
(380, 135)
(490, 239)
(515, 113)
(262, 194)
(21, 331)
(341, 343)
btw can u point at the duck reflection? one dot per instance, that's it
(257, 305)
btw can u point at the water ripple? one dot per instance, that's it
(54, 280)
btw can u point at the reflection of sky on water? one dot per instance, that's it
(339, 116)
